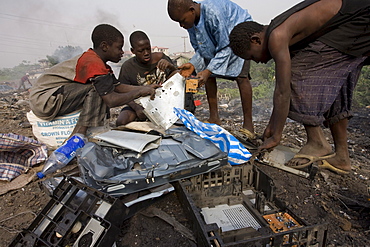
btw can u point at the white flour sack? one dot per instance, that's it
(53, 133)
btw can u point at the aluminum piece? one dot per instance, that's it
(279, 157)
(230, 218)
(151, 195)
(130, 140)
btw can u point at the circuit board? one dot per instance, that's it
(191, 86)
(281, 222)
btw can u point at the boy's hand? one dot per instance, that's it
(163, 64)
(149, 90)
(269, 144)
(270, 140)
(203, 77)
(186, 69)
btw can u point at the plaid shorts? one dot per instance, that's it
(322, 84)
(84, 96)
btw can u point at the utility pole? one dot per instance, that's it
(184, 37)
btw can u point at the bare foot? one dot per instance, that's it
(340, 161)
(215, 121)
(312, 150)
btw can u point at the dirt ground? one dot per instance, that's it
(341, 201)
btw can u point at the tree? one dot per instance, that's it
(64, 53)
(263, 79)
(362, 90)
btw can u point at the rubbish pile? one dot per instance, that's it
(228, 200)
(119, 163)
(227, 205)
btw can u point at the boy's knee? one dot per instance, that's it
(126, 116)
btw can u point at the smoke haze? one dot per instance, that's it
(32, 29)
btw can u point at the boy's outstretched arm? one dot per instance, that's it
(279, 51)
(126, 93)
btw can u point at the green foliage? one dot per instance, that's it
(263, 80)
(264, 91)
(232, 93)
(362, 90)
(52, 60)
(64, 53)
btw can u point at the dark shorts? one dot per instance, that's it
(322, 84)
(243, 74)
(127, 108)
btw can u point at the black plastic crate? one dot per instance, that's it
(76, 215)
(243, 198)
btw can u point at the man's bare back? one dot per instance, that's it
(294, 29)
(310, 19)
(319, 48)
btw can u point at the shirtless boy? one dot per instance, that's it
(319, 48)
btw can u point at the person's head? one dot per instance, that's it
(247, 41)
(185, 12)
(140, 46)
(107, 42)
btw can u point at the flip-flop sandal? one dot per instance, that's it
(250, 144)
(247, 133)
(311, 159)
(328, 166)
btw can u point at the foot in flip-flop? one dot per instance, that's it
(247, 133)
(328, 166)
(213, 122)
(248, 138)
(310, 160)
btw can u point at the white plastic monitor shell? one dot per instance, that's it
(170, 95)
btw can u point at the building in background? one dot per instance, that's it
(181, 57)
(160, 49)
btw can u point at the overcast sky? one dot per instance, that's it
(32, 29)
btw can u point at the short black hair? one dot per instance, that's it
(240, 36)
(178, 5)
(137, 36)
(105, 32)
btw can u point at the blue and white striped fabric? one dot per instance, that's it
(237, 153)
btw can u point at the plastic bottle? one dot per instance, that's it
(63, 155)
